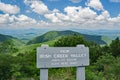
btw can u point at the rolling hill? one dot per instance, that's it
(5, 37)
(53, 35)
(15, 41)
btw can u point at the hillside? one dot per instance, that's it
(5, 37)
(14, 40)
(107, 39)
(53, 35)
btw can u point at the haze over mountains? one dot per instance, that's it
(26, 34)
(53, 35)
(5, 37)
(31, 35)
(23, 34)
(34, 36)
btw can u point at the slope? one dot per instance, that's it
(14, 40)
(53, 35)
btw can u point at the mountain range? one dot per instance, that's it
(14, 40)
(53, 35)
(6, 37)
(27, 34)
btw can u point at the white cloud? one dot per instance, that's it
(83, 18)
(16, 21)
(115, 20)
(6, 18)
(77, 17)
(103, 16)
(73, 14)
(52, 17)
(76, 1)
(96, 4)
(80, 14)
(8, 8)
(23, 18)
(37, 6)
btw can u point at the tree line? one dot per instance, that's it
(104, 61)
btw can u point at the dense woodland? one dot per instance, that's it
(19, 63)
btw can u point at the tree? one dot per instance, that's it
(7, 47)
(109, 66)
(115, 47)
(70, 41)
(95, 52)
(73, 40)
(5, 66)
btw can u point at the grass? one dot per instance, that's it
(106, 39)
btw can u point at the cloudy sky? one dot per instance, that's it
(79, 14)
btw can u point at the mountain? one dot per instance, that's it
(16, 41)
(5, 37)
(111, 34)
(23, 34)
(52, 35)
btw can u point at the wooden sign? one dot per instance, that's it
(55, 57)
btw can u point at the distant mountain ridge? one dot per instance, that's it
(5, 37)
(52, 35)
(14, 40)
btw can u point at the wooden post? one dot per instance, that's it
(43, 74)
(80, 74)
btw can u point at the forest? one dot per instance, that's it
(19, 62)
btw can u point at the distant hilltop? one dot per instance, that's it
(53, 35)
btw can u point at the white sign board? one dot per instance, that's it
(54, 57)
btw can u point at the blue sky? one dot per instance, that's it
(60, 14)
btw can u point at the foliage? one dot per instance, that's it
(17, 67)
(109, 66)
(7, 47)
(5, 37)
(53, 35)
(73, 40)
(105, 60)
(70, 41)
(115, 47)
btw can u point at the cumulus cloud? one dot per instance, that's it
(83, 18)
(103, 16)
(77, 14)
(8, 8)
(12, 20)
(52, 17)
(76, 1)
(37, 6)
(4, 18)
(96, 4)
(73, 14)
(77, 17)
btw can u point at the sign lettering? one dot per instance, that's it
(53, 57)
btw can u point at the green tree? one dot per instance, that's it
(73, 40)
(115, 47)
(7, 47)
(5, 66)
(27, 62)
(95, 52)
(109, 66)
(70, 41)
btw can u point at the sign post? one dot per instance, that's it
(56, 57)
(80, 74)
(44, 74)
